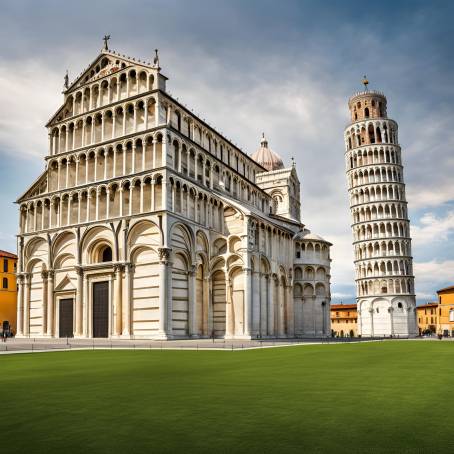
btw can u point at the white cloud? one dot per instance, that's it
(433, 228)
(27, 97)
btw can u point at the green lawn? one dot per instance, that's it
(386, 397)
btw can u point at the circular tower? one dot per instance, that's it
(381, 229)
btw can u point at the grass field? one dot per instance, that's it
(386, 397)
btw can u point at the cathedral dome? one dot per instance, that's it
(266, 157)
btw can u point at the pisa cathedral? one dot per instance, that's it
(148, 223)
(381, 230)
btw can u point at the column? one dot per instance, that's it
(164, 194)
(114, 170)
(120, 195)
(153, 164)
(107, 203)
(95, 173)
(192, 302)
(50, 303)
(113, 123)
(156, 113)
(165, 294)
(28, 278)
(82, 142)
(68, 215)
(290, 312)
(271, 303)
(135, 118)
(85, 307)
(67, 138)
(44, 303)
(97, 204)
(142, 184)
(75, 128)
(103, 124)
(229, 328)
(255, 309)
(391, 310)
(133, 160)
(131, 193)
(152, 203)
(58, 174)
(51, 209)
(371, 312)
(247, 301)
(20, 305)
(146, 115)
(118, 301)
(79, 302)
(104, 153)
(77, 171)
(87, 215)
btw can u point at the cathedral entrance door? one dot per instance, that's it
(100, 309)
(66, 328)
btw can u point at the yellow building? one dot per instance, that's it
(344, 320)
(446, 311)
(427, 315)
(8, 291)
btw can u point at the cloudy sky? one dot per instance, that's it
(286, 68)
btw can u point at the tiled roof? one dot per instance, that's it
(342, 306)
(7, 254)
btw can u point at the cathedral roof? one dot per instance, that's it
(308, 235)
(266, 157)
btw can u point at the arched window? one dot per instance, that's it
(106, 254)
(366, 112)
(399, 305)
(5, 282)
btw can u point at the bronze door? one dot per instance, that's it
(100, 309)
(66, 327)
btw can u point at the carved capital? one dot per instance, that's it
(192, 270)
(119, 267)
(164, 254)
(79, 271)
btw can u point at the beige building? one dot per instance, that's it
(427, 315)
(148, 223)
(344, 320)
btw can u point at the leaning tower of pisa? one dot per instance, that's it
(381, 229)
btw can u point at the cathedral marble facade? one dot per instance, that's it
(148, 223)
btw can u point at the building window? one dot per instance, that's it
(5, 265)
(107, 254)
(451, 315)
(5, 282)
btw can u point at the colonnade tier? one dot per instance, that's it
(373, 154)
(366, 231)
(400, 266)
(376, 192)
(185, 156)
(131, 157)
(370, 132)
(379, 212)
(370, 249)
(384, 287)
(123, 117)
(374, 175)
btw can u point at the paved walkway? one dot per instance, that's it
(40, 345)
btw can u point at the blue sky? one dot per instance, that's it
(286, 68)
